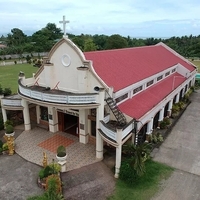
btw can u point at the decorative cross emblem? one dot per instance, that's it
(64, 25)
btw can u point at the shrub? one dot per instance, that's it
(61, 151)
(8, 122)
(9, 129)
(175, 108)
(1, 150)
(163, 125)
(47, 171)
(5, 147)
(7, 91)
(15, 62)
(55, 167)
(167, 121)
(41, 173)
(181, 105)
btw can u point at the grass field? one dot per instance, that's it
(197, 63)
(147, 186)
(9, 75)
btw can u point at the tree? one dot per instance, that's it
(137, 155)
(100, 41)
(89, 45)
(116, 42)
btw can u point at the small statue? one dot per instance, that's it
(44, 159)
(10, 142)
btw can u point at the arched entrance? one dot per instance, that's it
(142, 134)
(155, 120)
(166, 109)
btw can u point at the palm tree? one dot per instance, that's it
(137, 155)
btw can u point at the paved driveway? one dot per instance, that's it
(17, 178)
(181, 150)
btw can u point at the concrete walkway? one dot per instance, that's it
(181, 151)
(18, 178)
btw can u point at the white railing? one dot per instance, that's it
(108, 132)
(127, 130)
(106, 118)
(11, 102)
(81, 99)
(56, 98)
(36, 95)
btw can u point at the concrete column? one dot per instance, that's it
(26, 114)
(169, 110)
(161, 116)
(53, 119)
(118, 160)
(149, 129)
(38, 113)
(83, 134)
(4, 114)
(99, 116)
(177, 98)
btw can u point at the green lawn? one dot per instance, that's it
(197, 63)
(146, 187)
(9, 75)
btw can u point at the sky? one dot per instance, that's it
(134, 18)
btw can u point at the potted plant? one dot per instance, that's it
(61, 153)
(8, 125)
(9, 130)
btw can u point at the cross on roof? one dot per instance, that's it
(64, 25)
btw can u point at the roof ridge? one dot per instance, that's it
(122, 49)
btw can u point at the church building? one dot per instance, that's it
(109, 96)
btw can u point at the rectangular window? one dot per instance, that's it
(136, 90)
(121, 98)
(149, 83)
(160, 77)
(167, 74)
(44, 113)
(173, 70)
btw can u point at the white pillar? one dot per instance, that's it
(161, 116)
(149, 129)
(177, 98)
(4, 114)
(118, 160)
(38, 113)
(26, 114)
(169, 110)
(83, 134)
(53, 119)
(149, 126)
(99, 116)
(118, 152)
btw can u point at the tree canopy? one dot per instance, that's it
(42, 41)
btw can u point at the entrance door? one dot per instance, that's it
(61, 121)
(71, 124)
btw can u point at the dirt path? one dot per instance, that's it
(181, 151)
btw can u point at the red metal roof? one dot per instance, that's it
(123, 67)
(149, 98)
